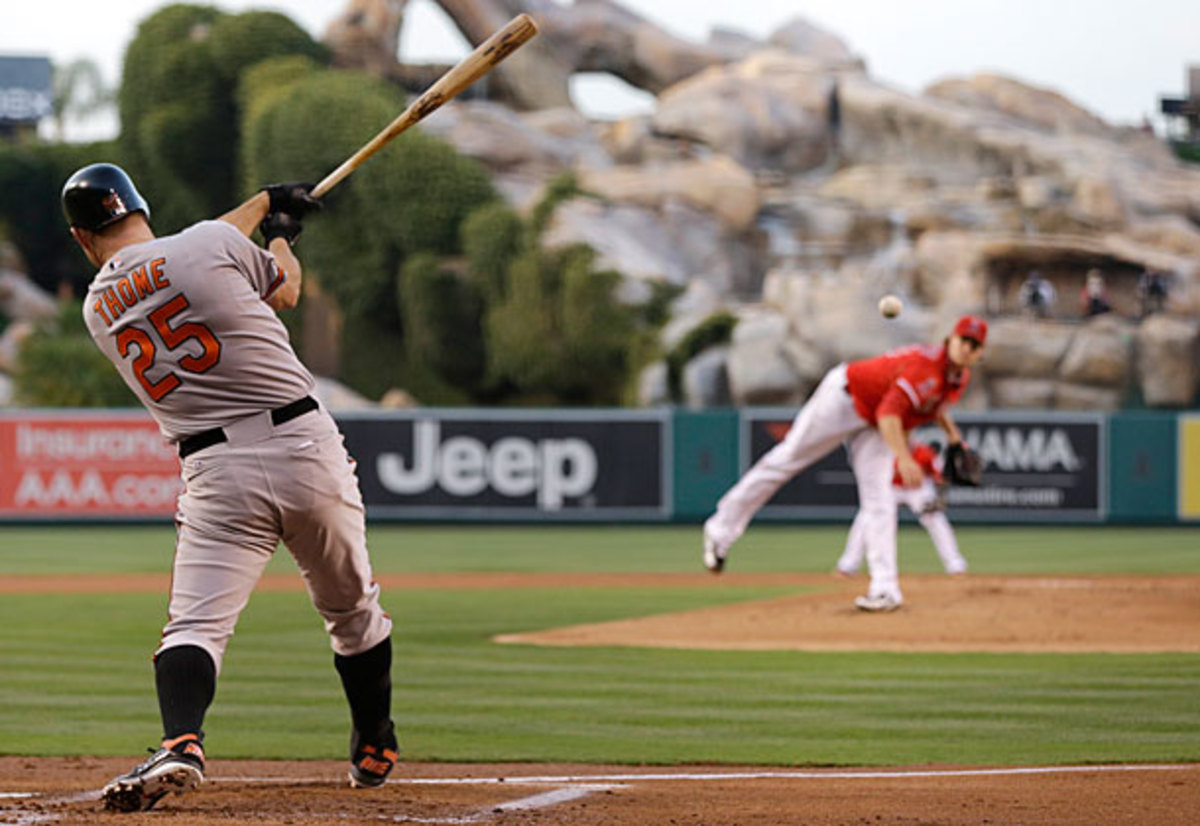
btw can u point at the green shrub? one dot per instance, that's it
(60, 366)
(491, 239)
(522, 329)
(556, 332)
(1189, 152)
(714, 330)
(240, 41)
(31, 180)
(178, 103)
(442, 316)
(410, 198)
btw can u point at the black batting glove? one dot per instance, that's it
(292, 198)
(280, 225)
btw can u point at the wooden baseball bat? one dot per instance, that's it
(472, 67)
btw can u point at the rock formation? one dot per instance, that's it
(779, 180)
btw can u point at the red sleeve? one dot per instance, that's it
(900, 399)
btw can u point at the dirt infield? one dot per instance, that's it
(64, 791)
(1119, 614)
(951, 614)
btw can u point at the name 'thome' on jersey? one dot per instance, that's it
(183, 317)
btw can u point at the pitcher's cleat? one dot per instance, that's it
(178, 767)
(877, 604)
(714, 554)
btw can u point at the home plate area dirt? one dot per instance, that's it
(974, 613)
(64, 791)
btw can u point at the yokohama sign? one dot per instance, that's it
(1038, 466)
(80, 465)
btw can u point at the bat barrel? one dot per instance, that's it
(472, 67)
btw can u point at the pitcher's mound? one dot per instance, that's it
(973, 613)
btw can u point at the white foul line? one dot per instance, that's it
(787, 775)
(829, 774)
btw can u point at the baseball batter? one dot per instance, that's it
(870, 406)
(925, 502)
(189, 321)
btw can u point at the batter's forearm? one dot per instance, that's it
(249, 215)
(288, 294)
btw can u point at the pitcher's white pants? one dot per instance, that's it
(934, 522)
(827, 420)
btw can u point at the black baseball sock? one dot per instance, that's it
(186, 679)
(367, 680)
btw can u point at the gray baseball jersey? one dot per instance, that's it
(184, 320)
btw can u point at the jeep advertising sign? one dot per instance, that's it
(1039, 466)
(564, 465)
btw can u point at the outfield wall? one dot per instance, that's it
(607, 465)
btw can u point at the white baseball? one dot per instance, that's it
(890, 306)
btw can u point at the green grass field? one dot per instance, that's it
(76, 678)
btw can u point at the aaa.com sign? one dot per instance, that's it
(84, 466)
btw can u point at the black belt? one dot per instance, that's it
(208, 438)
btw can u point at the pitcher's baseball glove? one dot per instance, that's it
(963, 466)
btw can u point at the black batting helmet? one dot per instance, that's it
(99, 195)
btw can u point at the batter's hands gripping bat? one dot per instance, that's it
(472, 67)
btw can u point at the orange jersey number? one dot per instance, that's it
(172, 337)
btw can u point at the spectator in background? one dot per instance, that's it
(1152, 291)
(1093, 298)
(1037, 295)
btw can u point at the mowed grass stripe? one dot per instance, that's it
(653, 549)
(460, 697)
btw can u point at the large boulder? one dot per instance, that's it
(1101, 353)
(1068, 396)
(837, 314)
(1027, 348)
(1021, 393)
(706, 380)
(699, 301)
(1043, 109)
(654, 388)
(759, 370)
(22, 299)
(14, 335)
(1099, 202)
(803, 37)
(676, 243)
(1168, 361)
(879, 186)
(768, 112)
(718, 185)
(502, 139)
(1169, 233)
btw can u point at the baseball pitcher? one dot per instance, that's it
(189, 322)
(870, 405)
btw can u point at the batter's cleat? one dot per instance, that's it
(877, 604)
(370, 764)
(714, 554)
(178, 767)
